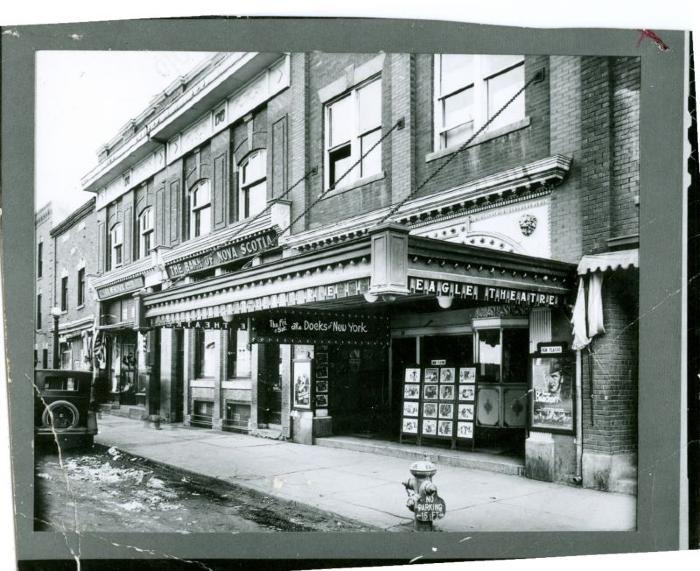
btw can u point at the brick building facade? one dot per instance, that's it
(44, 272)
(261, 187)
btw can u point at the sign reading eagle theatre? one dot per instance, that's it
(241, 249)
(478, 292)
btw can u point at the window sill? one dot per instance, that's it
(355, 184)
(81, 306)
(205, 383)
(488, 136)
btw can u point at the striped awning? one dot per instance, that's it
(623, 259)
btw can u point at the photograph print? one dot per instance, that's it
(161, 221)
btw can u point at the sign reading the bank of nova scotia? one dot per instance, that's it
(304, 326)
(246, 247)
(479, 292)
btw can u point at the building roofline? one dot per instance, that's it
(75, 216)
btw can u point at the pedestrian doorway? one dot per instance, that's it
(269, 386)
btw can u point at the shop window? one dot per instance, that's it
(39, 259)
(66, 357)
(353, 125)
(145, 238)
(252, 197)
(38, 311)
(202, 413)
(238, 353)
(469, 90)
(116, 237)
(44, 358)
(81, 286)
(64, 293)
(205, 347)
(200, 209)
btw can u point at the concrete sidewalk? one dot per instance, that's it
(367, 487)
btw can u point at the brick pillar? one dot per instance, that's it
(402, 143)
(254, 384)
(217, 414)
(286, 371)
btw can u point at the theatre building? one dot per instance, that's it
(329, 249)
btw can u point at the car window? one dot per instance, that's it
(61, 384)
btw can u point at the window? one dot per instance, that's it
(200, 209)
(117, 242)
(81, 286)
(470, 89)
(238, 353)
(38, 311)
(205, 347)
(353, 127)
(252, 197)
(145, 238)
(39, 259)
(64, 293)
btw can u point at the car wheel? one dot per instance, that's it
(60, 414)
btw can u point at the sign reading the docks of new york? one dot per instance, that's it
(478, 292)
(244, 248)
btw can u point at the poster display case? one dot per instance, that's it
(439, 402)
(552, 405)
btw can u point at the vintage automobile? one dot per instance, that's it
(63, 411)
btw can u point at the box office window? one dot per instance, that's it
(238, 352)
(503, 355)
(353, 126)
(470, 89)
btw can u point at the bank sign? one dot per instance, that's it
(239, 250)
(120, 288)
(307, 327)
(486, 293)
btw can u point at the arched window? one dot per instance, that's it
(252, 196)
(145, 237)
(116, 239)
(200, 209)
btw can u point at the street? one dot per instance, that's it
(107, 490)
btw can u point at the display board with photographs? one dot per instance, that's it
(439, 402)
(321, 376)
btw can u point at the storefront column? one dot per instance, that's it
(217, 413)
(168, 372)
(286, 373)
(254, 382)
(188, 371)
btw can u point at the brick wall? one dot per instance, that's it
(626, 73)
(44, 284)
(610, 370)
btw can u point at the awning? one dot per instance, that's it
(622, 259)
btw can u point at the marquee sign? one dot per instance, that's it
(486, 293)
(127, 286)
(306, 327)
(224, 254)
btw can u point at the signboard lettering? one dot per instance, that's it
(320, 326)
(241, 249)
(119, 288)
(478, 292)
(430, 507)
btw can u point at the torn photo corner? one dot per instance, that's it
(358, 298)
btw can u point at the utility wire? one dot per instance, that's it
(539, 76)
(398, 125)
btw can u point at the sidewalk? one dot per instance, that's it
(367, 487)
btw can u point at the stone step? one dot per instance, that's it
(625, 486)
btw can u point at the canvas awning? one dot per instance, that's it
(622, 259)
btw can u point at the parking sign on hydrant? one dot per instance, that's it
(423, 499)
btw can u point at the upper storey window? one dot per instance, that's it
(116, 238)
(353, 125)
(470, 89)
(200, 209)
(145, 238)
(252, 197)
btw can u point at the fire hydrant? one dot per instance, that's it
(423, 499)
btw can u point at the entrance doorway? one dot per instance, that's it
(269, 386)
(178, 383)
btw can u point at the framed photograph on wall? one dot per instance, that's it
(447, 375)
(445, 410)
(465, 430)
(465, 412)
(430, 410)
(322, 372)
(301, 388)
(447, 392)
(411, 392)
(430, 392)
(466, 393)
(444, 428)
(431, 375)
(322, 385)
(412, 375)
(429, 427)
(322, 400)
(321, 358)
(410, 409)
(467, 375)
(410, 426)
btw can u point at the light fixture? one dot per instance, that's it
(56, 311)
(227, 317)
(370, 297)
(445, 301)
(388, 298)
